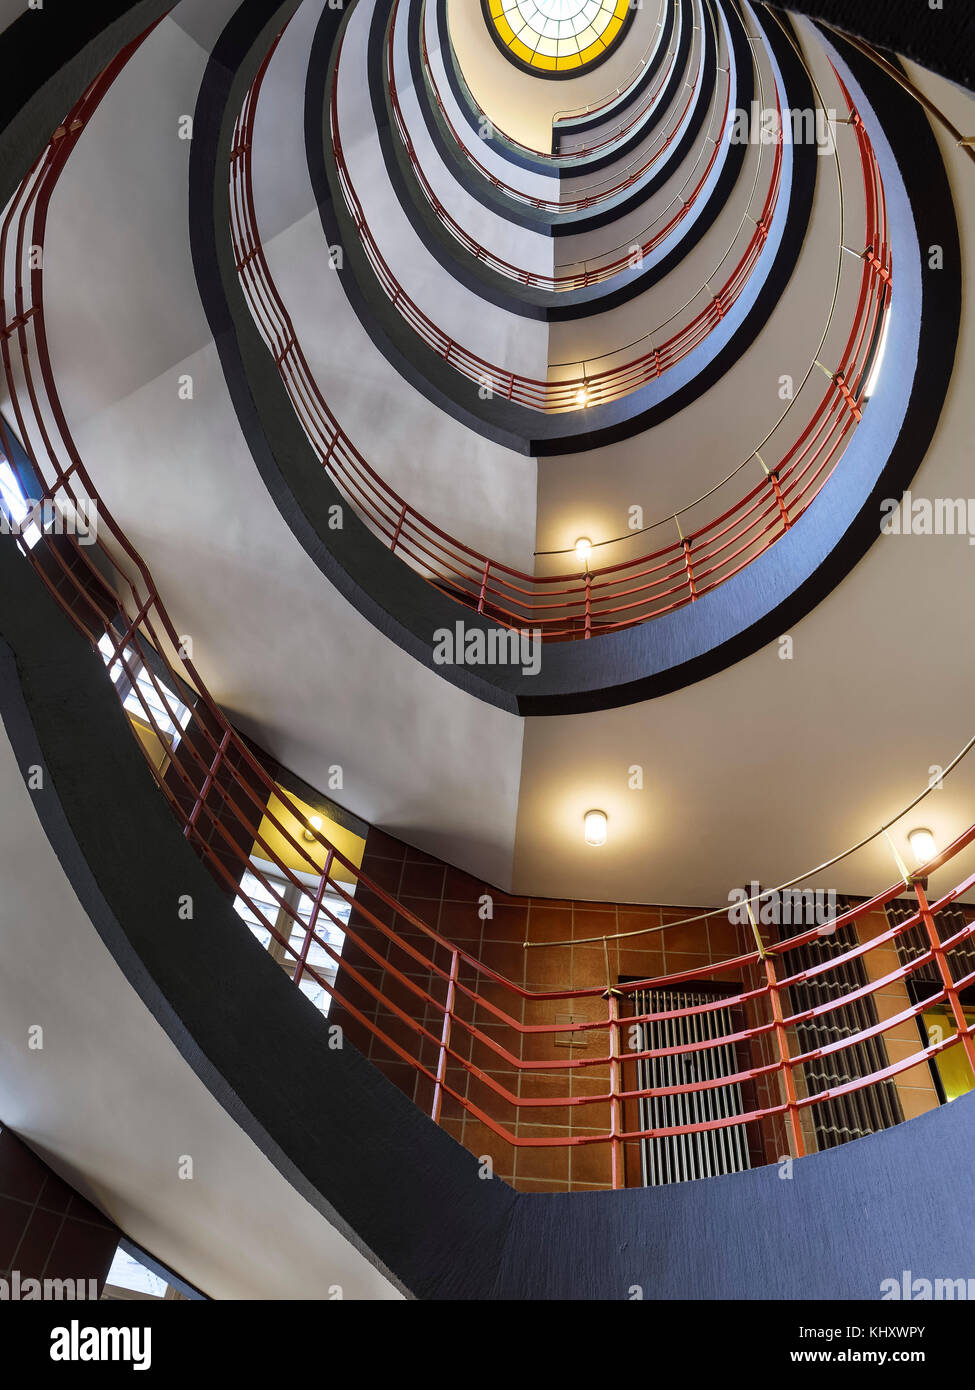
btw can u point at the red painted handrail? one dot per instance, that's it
(562, 395)
(221, 794)
(560, 159)
(572, 280)
(580, 605)
(554, 205)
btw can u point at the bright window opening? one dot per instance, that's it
(878, 365)
(160, 710)
(129, 1275)
(15, 504)
(291, 918)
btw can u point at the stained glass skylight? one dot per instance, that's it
(554, 37)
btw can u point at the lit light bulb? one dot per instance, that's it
(924, 846)
(316, 822)
(582, 396)
(583, 549)
(596, 827)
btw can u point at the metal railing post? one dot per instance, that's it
(781, 1041)
(689, 568)
(777, 489)
(613, 997)
(785, 1061)
(313, 919)
(208, 782)
(399, 527)
(445, 1036)
(938, 952)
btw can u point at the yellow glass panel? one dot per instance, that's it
(953, 1068)
(506, 31)
(527, 55)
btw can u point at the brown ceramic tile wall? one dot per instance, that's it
(46, 1230)
(449, 902)
(915, 1086)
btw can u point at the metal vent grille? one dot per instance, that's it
(861, 1112)
(683, 1157)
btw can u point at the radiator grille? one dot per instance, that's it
(914, 942)
(861, 1112)
(681, 1158)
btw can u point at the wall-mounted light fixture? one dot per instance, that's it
(924, 846)
(583, 549)
(315, 821)
(596, 827)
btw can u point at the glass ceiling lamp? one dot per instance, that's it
(557, 38)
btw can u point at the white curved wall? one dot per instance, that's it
(678, 115)
(640, 106)
(491, 160)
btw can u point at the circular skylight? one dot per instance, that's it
(553, 37)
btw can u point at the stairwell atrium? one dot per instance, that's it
(487, 774)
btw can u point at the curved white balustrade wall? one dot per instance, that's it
(524, 104)
(485, 329)
(465, 483)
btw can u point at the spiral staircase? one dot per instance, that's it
(483, 774)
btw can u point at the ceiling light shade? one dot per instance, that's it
(583, 548)
(596, 827)
(924, 846)
(316, 822)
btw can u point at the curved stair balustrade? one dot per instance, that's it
(556, 157)
(221, 794)
(644, 660)
(477, 1023)
(595, 270)
(626, 91)
(703, 553)
(587, 201)
(574, 386)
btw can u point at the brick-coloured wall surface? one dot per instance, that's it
(915, 1086)
(451, 903)
(46, 1230)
